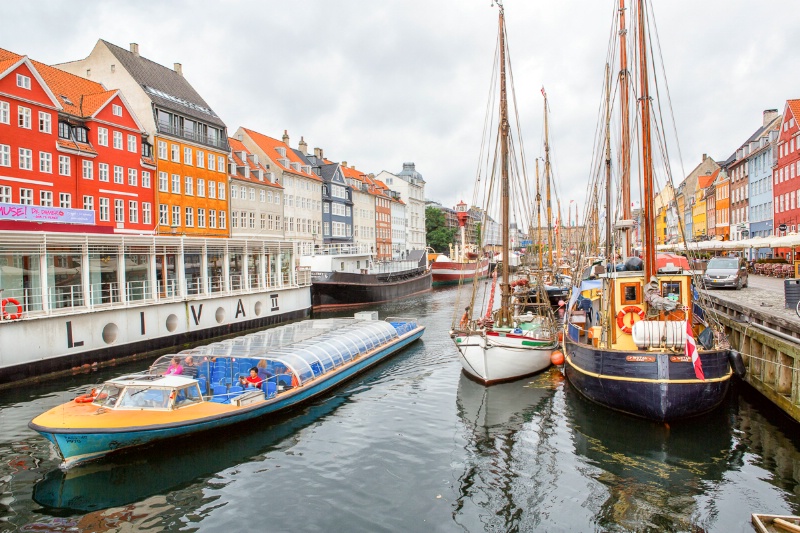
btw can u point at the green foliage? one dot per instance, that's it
(438, 235)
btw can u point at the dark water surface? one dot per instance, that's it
(415, 446)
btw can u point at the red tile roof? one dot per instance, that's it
(72, 146)
(707, 179)
(237, 147)
(270, 145)
(794, 106)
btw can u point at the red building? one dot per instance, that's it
(785, 174)
(72, 155)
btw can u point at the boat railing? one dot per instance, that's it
(65, 296)
(30, 301)
(103, 294)
(235, 282)
(304, 277)
(138, 291)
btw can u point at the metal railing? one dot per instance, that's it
(217, 142)
(30, 301)
(65, 296)
(104, 293)
(136, 291)
(303, 277)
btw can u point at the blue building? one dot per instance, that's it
(760, 159)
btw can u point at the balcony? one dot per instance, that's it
(175, 131)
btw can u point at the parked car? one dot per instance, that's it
(726, 272)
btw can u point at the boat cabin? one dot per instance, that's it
(144, 391)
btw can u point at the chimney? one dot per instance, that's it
(769, 116)
(135, 49)
(302, 146)
(705, 156)
(179, 69)
(318, 153)
(285, 137)
(344, 164)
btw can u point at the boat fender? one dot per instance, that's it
(632, 310)
(737, 363)
(517, 331)
(10, 316)
(86, 398)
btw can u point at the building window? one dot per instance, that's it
(162, 214)
(133, 211)
(252, 193)
(5, 194)
(5, 113)
(45, 162)
(262, 196)
(243, 216)
(118, 174)
(176, 184)
(133, 176)
(24, 117)
(234, 219)
(176, 153)
(88, 203)
(102, 136)
(234, 192)
(102, 171)
(263, 221)
(145, 179)
(201, 216)
(201, 160)
(162, 150)
(64, 200)
(23, 81)
(222, 220)
(63, 165)
(26, 196)
(25, 159)
(147, 213)
(187, 157)
(63, 130)
(163, 182)
(212, 219)
(79, 134)
(5, 155)
(132, 143)
(221, 192)
(212, 189)
(189, 187)
(211, 162)
(201, 186)
(46, 198)
(118, 140)
(119, 211)
(45, 122)
(116, 110)
(252, 219)
(221, 164)
(176, 215)
(104, 212)
(189, 217)
(326, 229)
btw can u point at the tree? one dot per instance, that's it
(438, 235)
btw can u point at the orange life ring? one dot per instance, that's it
(6, 314)
(85, 398)
(625, 311)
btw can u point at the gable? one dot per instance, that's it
(113, 101)
(39, 92)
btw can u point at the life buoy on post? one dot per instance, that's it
(3, 309)
(625, 311)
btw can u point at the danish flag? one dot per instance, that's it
(691, 351)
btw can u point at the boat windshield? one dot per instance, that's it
(144, 397)
(108, 395)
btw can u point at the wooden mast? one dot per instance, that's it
(625, 148)
(504, 318)
(539, 219)
(547, 182)
(647, 154)
(609, 246)
(558, 237)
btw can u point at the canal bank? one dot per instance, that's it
(413, 445)
(767, 334)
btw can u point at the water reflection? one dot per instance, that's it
(648, 473)
(167, 467)
(507, 430)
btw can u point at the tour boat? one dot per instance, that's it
(296, 363)
(506, 343)
(630, 337)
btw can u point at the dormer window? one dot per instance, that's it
(63, 130)
(307, 169)
(281, 150)
(79, 133)
(295, 166)
(147, 150)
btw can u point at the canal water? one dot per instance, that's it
(415, 446)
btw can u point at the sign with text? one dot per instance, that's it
(36, 213)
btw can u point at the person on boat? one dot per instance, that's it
(263, 373)
(189, 368)
(253, 380)
(175, 367)
(561, 309)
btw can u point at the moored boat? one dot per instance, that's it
(346, 276)
(292, 363)
(506, 343)
(630, 334)
(768, 523)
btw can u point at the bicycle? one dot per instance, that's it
(797, 308)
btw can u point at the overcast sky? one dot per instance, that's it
(378, 83)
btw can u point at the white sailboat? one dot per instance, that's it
(505, 343)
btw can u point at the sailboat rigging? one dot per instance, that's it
(630, 331)
(518, 337)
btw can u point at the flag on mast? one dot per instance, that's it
(691, 351)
